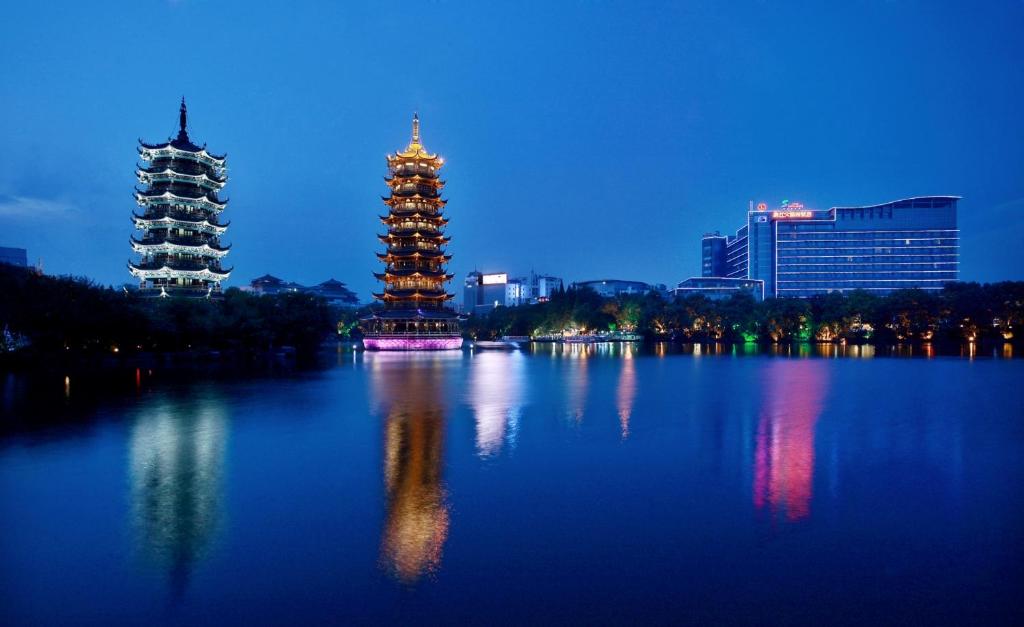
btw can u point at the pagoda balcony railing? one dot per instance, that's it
(182, 241)
(398, 335)
(407, 191)
(177, 264)
(160, 211)
(406, 170)
(415, 226)
(203, 204)
(405, 250)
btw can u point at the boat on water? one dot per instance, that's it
(580, 339)
(507, 345)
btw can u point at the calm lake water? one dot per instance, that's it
(585, 485)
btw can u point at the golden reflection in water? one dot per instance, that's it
(1007, 350)
(497, 385)
(577, 379)
(410, 387)
(792, 400)
(625, 392)
(177, 458)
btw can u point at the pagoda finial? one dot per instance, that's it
(182, 119)
(415, 128)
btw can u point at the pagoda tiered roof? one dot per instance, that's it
(180, 249)
(182, 245)
(420, 281)
(404, 273)
(169, 175)
(415, 149)
(151, 197)
(412, 252)
(414, 213)
(178, 271)
(436, 237)
(171, 220)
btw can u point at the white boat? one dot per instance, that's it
(496, 345)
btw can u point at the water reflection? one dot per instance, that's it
(409, 387)
(577, 378)
(497, 388)
(792, 399)
(625, 391)
(177, 458)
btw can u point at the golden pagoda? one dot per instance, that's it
(414, 316)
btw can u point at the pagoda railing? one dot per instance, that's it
(177, 264)
(180, 241)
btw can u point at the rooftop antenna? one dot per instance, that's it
(183, 120)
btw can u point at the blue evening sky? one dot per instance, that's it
(585, 139)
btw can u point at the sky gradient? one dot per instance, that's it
(583, 139)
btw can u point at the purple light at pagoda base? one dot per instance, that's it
(412, 343)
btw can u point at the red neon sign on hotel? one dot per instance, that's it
(791, 215)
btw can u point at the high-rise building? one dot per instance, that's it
(483, 292)
(180, 246)
(796, 251)
(415, 316)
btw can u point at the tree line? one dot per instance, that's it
(960, 312)
(68, 314)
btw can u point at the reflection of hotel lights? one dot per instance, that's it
(784, 443)
(494, 279)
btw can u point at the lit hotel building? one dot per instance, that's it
(796, 251)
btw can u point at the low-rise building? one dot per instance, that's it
(334, 291)
(719, 288)
(610, 288)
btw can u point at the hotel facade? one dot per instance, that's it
(800, 252)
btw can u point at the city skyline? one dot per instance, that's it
(624, 130)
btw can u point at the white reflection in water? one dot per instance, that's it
(177, 457)
(497, 388)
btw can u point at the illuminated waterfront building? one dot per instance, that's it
(180, 246)
(415, 316)
(797, 251)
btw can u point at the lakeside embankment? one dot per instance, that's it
(67, 319)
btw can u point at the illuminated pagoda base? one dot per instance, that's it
(414, 316)
(412, 330)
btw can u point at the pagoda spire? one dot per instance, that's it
(182, 120)
(415, 128)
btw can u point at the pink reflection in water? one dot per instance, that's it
(625, 392)
(412, 344)
(793, 393)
